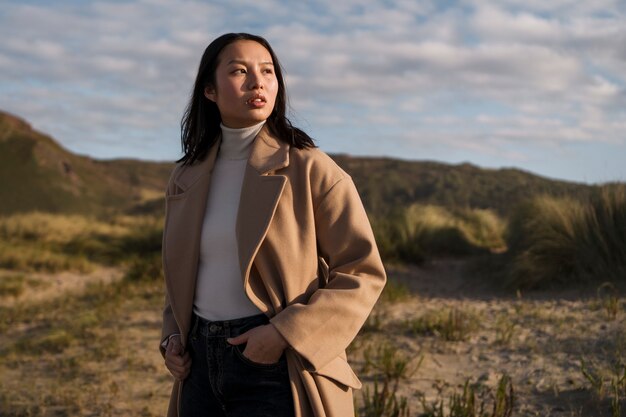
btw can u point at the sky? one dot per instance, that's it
(533, 84)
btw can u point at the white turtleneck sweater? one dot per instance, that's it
(219, 286)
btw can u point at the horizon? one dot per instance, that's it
(499, 85)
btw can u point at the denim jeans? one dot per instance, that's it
(224, 383)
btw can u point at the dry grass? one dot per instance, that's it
(425, 349)
(564, 241)
(53, 243)
(88, 354)
(420, 232)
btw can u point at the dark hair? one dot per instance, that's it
(200, 125)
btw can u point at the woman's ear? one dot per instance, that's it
(209, 92)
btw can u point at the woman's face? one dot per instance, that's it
(246, 84)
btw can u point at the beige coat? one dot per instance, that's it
(308, 261)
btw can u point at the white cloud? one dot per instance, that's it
(556, 68)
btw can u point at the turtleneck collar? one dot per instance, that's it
(237, 143)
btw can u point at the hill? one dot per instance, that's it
(386, 183)
(36, 173)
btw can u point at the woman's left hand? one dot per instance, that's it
(264, 344)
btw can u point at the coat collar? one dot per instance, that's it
(268, 154)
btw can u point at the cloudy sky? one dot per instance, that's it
(534, 84)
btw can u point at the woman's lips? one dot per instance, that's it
(256, 101)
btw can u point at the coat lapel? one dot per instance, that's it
(260, 193)
(185, 213)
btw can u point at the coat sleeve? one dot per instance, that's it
(169, 324)
(321, 329)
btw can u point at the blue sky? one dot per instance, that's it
(534, 84)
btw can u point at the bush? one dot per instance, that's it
(559, 241)
(420, 232)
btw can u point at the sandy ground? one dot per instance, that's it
(539, 339)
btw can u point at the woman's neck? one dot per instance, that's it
(237, 143)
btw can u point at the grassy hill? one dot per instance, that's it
(36, 173)
(386, 184)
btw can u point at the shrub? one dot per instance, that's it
(558, 241)
(419, 232)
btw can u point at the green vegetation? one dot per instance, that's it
(564, 241)
(52, 179)
(607, 381)
(51, 243)
(37, 174)
(388, 363)
(386, 184)
(451, 324)
(389, 366)
(417, 233)
(475, 401)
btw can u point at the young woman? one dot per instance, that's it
(270, 262)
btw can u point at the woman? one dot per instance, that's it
(269, 260)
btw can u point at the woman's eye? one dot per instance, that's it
(239, 71)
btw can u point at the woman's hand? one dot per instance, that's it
(177, 361)
(264, 344)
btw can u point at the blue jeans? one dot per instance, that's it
(224, 383)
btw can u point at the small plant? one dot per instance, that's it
(395, 291)
(604, 383)
(392, 366)
(608, 298)
(451, 324)
(505, 329)
(381, 403)
(474, 401)
(389, 361)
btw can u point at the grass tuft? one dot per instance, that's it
(560, 241)
(420, 232)
(450, 324)
(474, 401)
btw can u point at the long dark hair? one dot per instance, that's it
(200, 125)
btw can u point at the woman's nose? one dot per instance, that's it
(255, 81)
